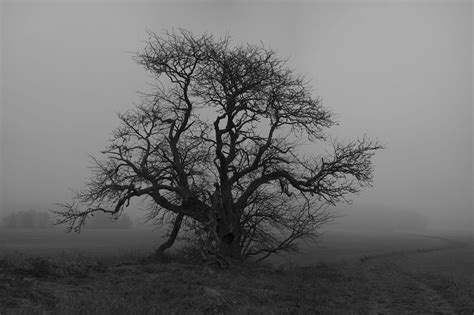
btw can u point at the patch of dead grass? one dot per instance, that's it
(53, 285)
(458, 292)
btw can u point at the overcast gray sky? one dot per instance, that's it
(399, 71)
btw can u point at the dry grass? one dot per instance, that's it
(126, 282)
(64, 286)
(458, 292)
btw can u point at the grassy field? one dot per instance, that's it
(103, 272)
(334, 246)
(338, 245)
(456, 263)
(51, 242)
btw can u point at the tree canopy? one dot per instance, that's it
(216, 146)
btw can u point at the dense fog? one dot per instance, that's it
(398, 71)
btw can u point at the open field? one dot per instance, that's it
(338, 245)
(102, 272)
(334, 246)
(456, 263)
(46, 242)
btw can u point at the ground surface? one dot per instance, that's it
(53, 242)
(431, 276)
(334, 246)
(393, 291)
(429, 280)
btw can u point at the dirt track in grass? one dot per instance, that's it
(396, 286)
(393, 291)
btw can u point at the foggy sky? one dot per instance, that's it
(398, 71)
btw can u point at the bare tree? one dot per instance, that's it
(216, 145)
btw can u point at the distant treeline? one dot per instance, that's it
(28, 219)
(33, 219)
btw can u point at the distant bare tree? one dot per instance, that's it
(215, 146)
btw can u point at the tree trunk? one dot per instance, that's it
(174, 233)
(229, 238)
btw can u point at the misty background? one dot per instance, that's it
(398, 71)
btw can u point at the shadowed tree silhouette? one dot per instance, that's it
(216, 146)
